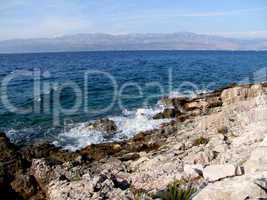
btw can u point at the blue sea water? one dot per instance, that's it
(136, 73)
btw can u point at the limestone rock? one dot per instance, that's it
(241, 93)
(258, 159)
(90, 187)
(203, 103)
(236, 188)
(156, 173)
(202, 157)
(61, 190)
(217, 172)
(42, 172)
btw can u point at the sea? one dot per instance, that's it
(55, 96)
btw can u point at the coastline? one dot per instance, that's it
(215, 140)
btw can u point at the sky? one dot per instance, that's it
(52, 18)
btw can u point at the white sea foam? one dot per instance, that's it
(78, 137)
(129, 124)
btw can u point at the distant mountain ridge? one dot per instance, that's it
(150, 41)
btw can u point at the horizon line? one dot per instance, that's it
(103, 51)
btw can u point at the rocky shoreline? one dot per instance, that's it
(216, 143)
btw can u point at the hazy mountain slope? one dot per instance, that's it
(93, 42)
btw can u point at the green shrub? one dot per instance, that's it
(177, 190)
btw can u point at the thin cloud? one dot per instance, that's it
(222, 13)
(175, 14)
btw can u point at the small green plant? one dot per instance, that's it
(177, 190)
(200, 140)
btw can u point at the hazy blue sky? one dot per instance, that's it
(48, 18)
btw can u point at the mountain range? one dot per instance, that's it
(149, 41)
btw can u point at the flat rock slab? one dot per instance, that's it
(216, 172)
(236, 188)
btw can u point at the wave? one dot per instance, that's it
(129, 124)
